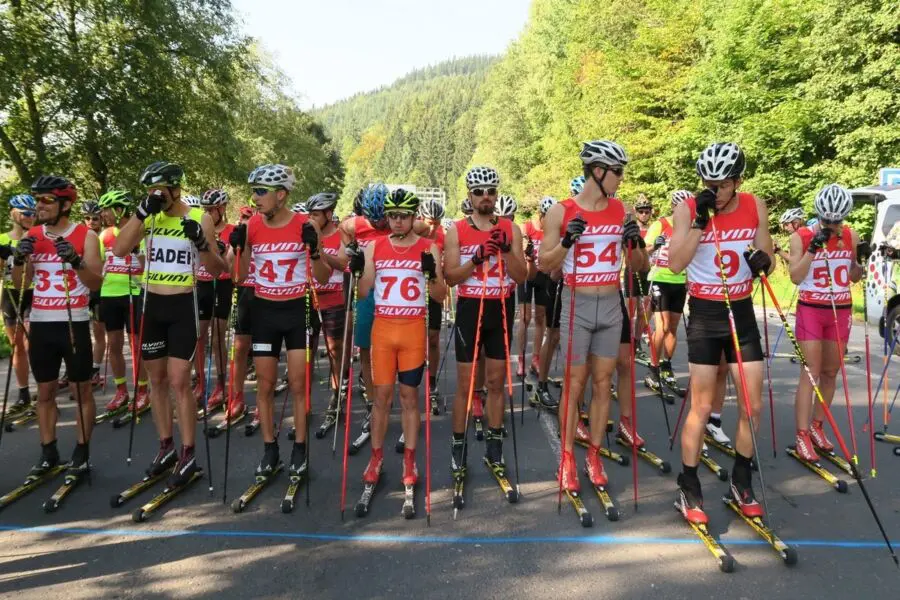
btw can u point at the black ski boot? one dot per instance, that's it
(457, 456)
(49, 459)
(299, 467)
(23, 402)
(494, 450)
(184, 470)
(269, 463)
(545, 398)
(79, 463)
(689, 501)
(165, 459)
(330, 418)
(434, 398)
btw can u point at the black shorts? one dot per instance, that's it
(492, 341)
(553, 303)
(275, 323)
(435, 315)
(49, 347)
(94, 305)
(625, 336)
(10, 299)
(668, 297)
(709, 334)
(214, 297)
(169, 327)
(639, 285)
(245, 297)
(333, 320)
(115, 312)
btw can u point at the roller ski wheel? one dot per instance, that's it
(459, 498)
(139, 516)
(328, 422)
(787, 553)
(498, 470)
(238, 505)
(581, 511)
(726, 563)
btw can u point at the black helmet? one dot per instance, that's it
(162, 172)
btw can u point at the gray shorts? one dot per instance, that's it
(597, 329)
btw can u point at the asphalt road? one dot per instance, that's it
(196, 547)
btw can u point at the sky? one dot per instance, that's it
(332, 49)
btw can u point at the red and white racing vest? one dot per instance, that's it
(598, 252)
(56, 285)
(279, 258)
(736, 230)
(128, 265)
(399, 281)
(470, 238)
(365, 234)
(819, 283)
(202, 273)
(661, 256)
(536, 236)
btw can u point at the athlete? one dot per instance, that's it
(93, 218)
(21, 215)
(214, 302)
(120, 300)
(485, 259)
(668, 293)
(595, 223)
(62, 259)
(285, 249)
(431, 212)
(177, 237)
(740, 220)
(534, 289)
(397, 268)
(547, 295)
(636, 284)
(242, 328)
(824, 264)
(791, 220)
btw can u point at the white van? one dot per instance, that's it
(881, 271)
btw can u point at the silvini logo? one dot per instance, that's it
(173, 278)
(175, 232)
(170, 256)
(730, 235)
(398, 264)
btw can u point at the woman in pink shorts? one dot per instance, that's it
(823, 263)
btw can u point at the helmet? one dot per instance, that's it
(114, 199)
(720, 161)
(300, 208)
(90, 207)
(812, 221)
(214, 198)
(576, 185)
(482, 177)
(506, 206)
(446, 224)
(276, 176)
(192, 201)
(60, 187)
(642, 202)
(466, 207)
(431, 209)
(162, 173)
(833, 203)
(22, 202)
(322, 201)
(357, 202)
(604, 152)
(546, 204)
(680, 196)
(791, 214)
(401, 201)
(374, 199)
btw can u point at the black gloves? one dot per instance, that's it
(529, 250)
(429, 266)
(706, 202)
(758, 261)
(574, 229)
(238, 237)
(863, 252)
(6, 251)
(819, 240)
(310, 239)
(659, 242)
(631, 235)
(151, 205)
(502, 240)
(357, 259)
(24, 249)
(194, 232)
(220, 245)
(66, 251)
(485, 250)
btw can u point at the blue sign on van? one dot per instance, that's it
(889, 176)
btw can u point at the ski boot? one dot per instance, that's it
(142, 398)
(818, 437)
(624, 432)
(434, 400)
(299, 467)
(78, 466)
(373, 469)
(250, 377)
(410, 471)
(119, 400)
(745, 499)
(216, 398)
(96, 379)
(49, 459)
(493, 451)
(714, 429)
(805, 448)
(478, 414)
(281, 385)
(535, 366)
(185, 469)
(651, 381)
(330, 418)
(269, 463)
(641, 357)
(669, 379)
(593, 467)
(520, 367)
(689, 501)
(165, 459)
(23, 402)
(400, 445)
(236, 406)
(582, 435)
(570, 482)
(544, 398)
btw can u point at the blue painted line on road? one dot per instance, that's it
(597, 540)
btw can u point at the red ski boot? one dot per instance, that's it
(410, 472)
(373, 469)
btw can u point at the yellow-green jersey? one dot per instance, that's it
(170, 259)
(121, 276)
(660, 271)
(7, 268)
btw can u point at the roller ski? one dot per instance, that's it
(689, 503)
(48, 468)
(371, 476)
(143, 405)
(816, 467)
(214, 403)
(886, 438)
(583, 439)
(227, 422)
(825, 448)
(752, 516)
(458, 473)
(641, 357)
(159, 469)
(717, 439)
(184, 474)
(20, 420)
(708, 462)
(364, 433)
(434, 399)
(330, 419)
(651, 382)
(623, 438)
(297, 473)
(572, 489)
(281, 385)
(77, 470)
(493, 460)
(410, 479)
(543, 399)
(593, 469)
(265, 473)
(478, 414)
(669, 380)
(251, 427)
(24, 402)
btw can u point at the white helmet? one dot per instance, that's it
(506, 206)
(273, 176)
(680, 196)
(576, 185)
(833, 203)
(482, 177)
(446, 224)
(466, 207)
(215, 197)
(791, 214)
(605, 152)
(431, 209)
(300, 208)
(720, 161)
(546, 204)
(192, 201)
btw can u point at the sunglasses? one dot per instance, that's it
(45, 199)
(398, 215)
(262, 191)
(482, 191)
(617, 171)
(93, 217)
(26, 213)
(644, 211)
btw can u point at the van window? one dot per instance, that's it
(891, 216)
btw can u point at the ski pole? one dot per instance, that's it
(140, 344)
(349, 351)
(512, 410)
(228, 415)
(437, 379)
(427, 413)
(886, 282)
(564, 418)
(307, 386)
(12, 355)
(769, 357)
(829, 417)
(195, 256)
(633, 315)
(769, 375)
(871, 421)
(740, 360)
(345, 351)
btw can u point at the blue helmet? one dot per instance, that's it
(373, 201)
(22, 202)
(577, 185)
